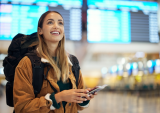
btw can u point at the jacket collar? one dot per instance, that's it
(46, 61)
(70, 63)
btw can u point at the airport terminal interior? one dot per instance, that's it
(117, 43)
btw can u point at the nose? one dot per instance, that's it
(55, 25)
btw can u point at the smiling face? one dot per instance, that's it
(52, 28)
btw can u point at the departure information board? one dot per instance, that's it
(19, 16)
(19, 19)
(108, 26)
(122, 21)
(67, 3)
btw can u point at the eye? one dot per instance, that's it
(50, 22)
(61, 23)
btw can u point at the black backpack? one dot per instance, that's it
(24, 45)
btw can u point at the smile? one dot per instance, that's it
(55, 33)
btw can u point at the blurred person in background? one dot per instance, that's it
(51, 49)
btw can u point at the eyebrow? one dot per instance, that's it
(53, 19)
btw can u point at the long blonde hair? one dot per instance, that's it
(62, 59)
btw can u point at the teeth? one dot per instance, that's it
(55, 32)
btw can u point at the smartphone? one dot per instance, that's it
(96, 89)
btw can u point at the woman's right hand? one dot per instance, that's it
(72, 95)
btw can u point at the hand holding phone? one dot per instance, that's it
(96, 89)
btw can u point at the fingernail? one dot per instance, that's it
(88, 95)
(85, 99)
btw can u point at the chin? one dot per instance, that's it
(55, 40)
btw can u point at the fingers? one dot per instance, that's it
(80, 100)
(76, 101)
(89, 97)
(89, 89)
(92, 95)
(82, 95)
(81, 90)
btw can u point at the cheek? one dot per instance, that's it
(46, 30)
(62, 29)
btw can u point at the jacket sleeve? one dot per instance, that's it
(81, 86)
(23, 93)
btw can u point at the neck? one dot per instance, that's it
(52, 47)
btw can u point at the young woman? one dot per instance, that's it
(68, 98)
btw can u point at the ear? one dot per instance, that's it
(40, 32)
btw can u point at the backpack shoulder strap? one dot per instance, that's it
(38, 72)
(75, 67)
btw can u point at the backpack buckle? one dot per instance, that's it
(37, 64)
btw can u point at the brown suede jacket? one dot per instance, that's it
(23, 93)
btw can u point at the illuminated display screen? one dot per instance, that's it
(20, 17)
(108, 26)
(122, 21)
(73, 3)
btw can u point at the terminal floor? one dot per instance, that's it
(111, 102)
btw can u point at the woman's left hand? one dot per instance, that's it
(91, 96)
